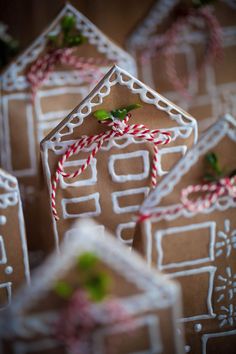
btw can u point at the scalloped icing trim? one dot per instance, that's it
(10, 79)
(103, 89)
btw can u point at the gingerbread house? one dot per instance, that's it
(195, 244)
(14, 267)
(24, 123)
(118, 178)
(213, 92)
(151, 301)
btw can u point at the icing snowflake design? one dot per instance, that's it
(228, 315)
(227, 240)
(227, 286)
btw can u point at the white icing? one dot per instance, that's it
(220, 96)
(30, 136)
(207, 227)
(9, 270)
(211, 336)
(9, 183)
(77, 200)
(168, 150)
(113, 253)
(185, 125)
(11, 78)
(7, 288)
(197, 327)
(3, 255)
(145, 93)
(22, 347)
(121, 178)
(127, 193)
(151, 322)
(227, 317)
(124, 226)
(82, 181)
(191, 272)
(208, 141)
(3, 219)
(156, 15)
(226, 285)
(226, 240)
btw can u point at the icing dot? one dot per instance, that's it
(8, 270)
(197, 327)
(3, 220)
(187, 348)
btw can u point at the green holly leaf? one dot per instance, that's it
(63, 289)
(208, 177)
(87, 261)
(73, 41)
(212, 160)
(102, 114)
(68, 23)
(97, 285)
(131, 107)
(119, 113)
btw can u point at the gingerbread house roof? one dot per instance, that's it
(226, 126)
(156, 291)
(157, 14)
(117, 76)
(12, 77)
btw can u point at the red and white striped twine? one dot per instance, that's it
(44, 65)
(118, 129)
(167, 43)
(212, 192)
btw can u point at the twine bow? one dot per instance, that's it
(211, 193)
(168, 42)
(117, 129)
(44, 65)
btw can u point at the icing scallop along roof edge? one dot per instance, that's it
(182, 118)
(158, 12)
(208, 140)
(95, 37)
(117, 256)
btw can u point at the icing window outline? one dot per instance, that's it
(77, 200)
(211, 270)
(81, 182)
(180, 229)
(144, 154)
(130, 208)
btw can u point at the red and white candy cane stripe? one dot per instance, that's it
(44, 65)
(211, 193)
(118, 129)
